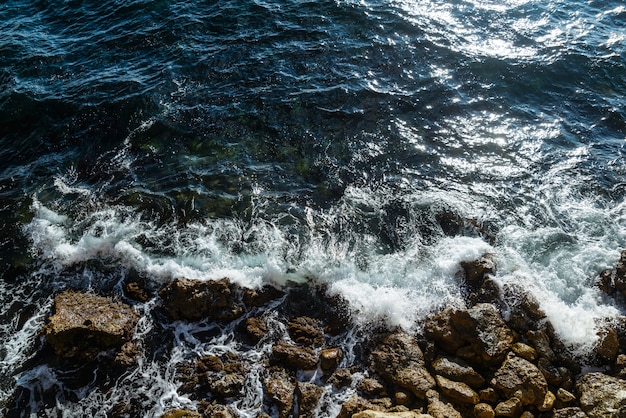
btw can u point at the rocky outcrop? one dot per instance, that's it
(521, 379)
(84, 325)
(602, 395)
(294, 356)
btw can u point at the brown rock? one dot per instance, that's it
(477, 271)
(330, 359)
(608, 344)
(524, 351)
(370, 386)
(380, 414)
(403, 397)
(181, 413)
(488, 395)
(483, 410)
(550, 372)
(260, 297)
(457, 391)
(305, 330)
(210, 363)
(83, 325)
(458, 370)
(294, 356)
(601, 395)
(519, 377)
(308, 395)
(135, 291)
(527, 414)
(572, 412)
(218, 411)
(226, 385)
(511, 408)
(400, 360)
(255, 329)
(127, 356)
(340, 378)
(541, 343)
(194, 300)
(439, 328)
(548, 402)
(354, 405)
(280, 390)
(565, 396)
(439, 408)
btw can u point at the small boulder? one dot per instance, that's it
(83, 325)
(440, 408)
(380, 414)
(354, 405)
(308, 395)
(601, 395)
(457, 391)
(572, 412)
(305, 330)
(280, 389)
(255, 329)
(439, 328)
(370, 386)
(330, 359)
(483, 410)
(520, 378)
(607, 346)
(294, 356)
(457, 370)
(476, 271)
(511, 408)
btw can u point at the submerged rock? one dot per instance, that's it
(84, 324)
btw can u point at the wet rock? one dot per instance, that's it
(340, 378)
(261, 297)
(194, 300)
(620, 366)
(370, 386)
(127, 356)
(255, 329)
(608, 344)
(294, 356)
(457, 391)
(511, 408)
(440, 408)
(308, 395)
(572, 412)
(541, 342)
(354, 405)
(605, 282)
(554, 375)
(83, 325)
(620, 273)
(400, 360)
(601, 395)
(524, 351)
(488, 395)
(280, 389)
(181, 413)
(136, 291)
(548, 402)
(330, 359)
(527, 414)
(218, 411)
(439, 328)
(476, 271)
(520, 378)
(565, 396)
(483, 410)
(305, 330)
(210, 363)
(380, 414)
(403, 397)
(226, 385)
(458, 370)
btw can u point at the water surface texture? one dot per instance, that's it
(368, 146)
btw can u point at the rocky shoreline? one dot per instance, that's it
(467, 362)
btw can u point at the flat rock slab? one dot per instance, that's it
(84, 324)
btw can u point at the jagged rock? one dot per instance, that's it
(608, 344)
(485, 330)
(439, 328)
(483, 410)
(195, 300)
(83, 325)
(226, 385)
(541, 342)
(181, 413)
(548, 402)
(524, 351)
(527, 414)
(476, 271)
(439, 408)
(308, 395)
(255, 329)
(572, 412)
(601, 395)
(457, 391)
(458, 370)
(128, 355)
(260, 297)
(340, 378)
(400, 360)
(565, 396)
(620, 273)
(488, 395)
(306, 330)
(135, 291)
(294, 356)
(330, 359)
(554, 375)
(280, 389)
(511, 408)
(605, 282)
(380, 414)
(218, 411)
(354, 405)
(370, 386)
(620, 366)
(403, 397)
(521, 378)
(210, 363)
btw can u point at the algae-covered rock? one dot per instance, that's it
(84, 324)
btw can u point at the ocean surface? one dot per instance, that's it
(366, 146)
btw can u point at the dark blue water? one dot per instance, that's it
(289, 141)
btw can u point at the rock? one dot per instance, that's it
(483, 327)
(601, 395)
(527, 414)
(370, 386)
(354, 405)
(308, 395)
(541, 343)
(483, 410)
(127, 356)
(477, 271)
(620, 273)
(524, 351)
(226, 385)
(620, 366)
(400, 360)
(181, 413)
(565, 396)
(280, 390)
(135, 291)
(83, 325)
(548, 402)
(439, 328)
(605, 282)
(218, 411)
(194, 300)
(572, 412)
(550, 372)
(305, 330)
(458, 370)
(488, 395)
(439, 408)
(403, 397)
(259, 297)
(608, 344)
(340, 378)
(457, 391)
(330, 359)
(294, 356)
(210, 363)
(255, 329)
(380, 414)
(511, 408)
(519, 377)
